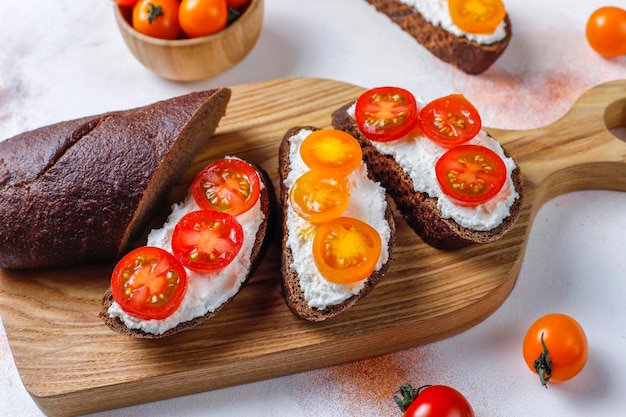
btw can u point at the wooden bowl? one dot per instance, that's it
(196, 58)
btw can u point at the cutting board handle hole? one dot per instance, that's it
(615, 118)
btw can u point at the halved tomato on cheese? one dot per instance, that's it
(207, 240)
(470, 174)
(149, 283)
(319, 196)
(331, 150)
(386, 113)
(477, 16)
(346, 250)
(450, 120)
(229, 185)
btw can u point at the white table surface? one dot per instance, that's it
(65, 59)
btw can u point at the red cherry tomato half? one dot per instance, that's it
(386, 113)
(207, 240)
(470, 174)
(606, 31)
(346, 250)
(149, 283)
(331, 150)
(450, 120)
(433, 401)
(228, 185)
(555, 347)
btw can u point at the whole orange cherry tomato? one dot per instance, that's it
(555, 347)
(203, 17)
(157, 18)
(606, 31)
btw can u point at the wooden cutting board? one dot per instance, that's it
(71, 363)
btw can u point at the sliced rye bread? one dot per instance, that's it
(290, 282)
(419, 209)
(81, 190)
(267, 199)
(467, 55)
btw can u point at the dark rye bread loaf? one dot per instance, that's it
(419, 209)
(263, 237)
(81, 190)
(468, 56)
(290, 281)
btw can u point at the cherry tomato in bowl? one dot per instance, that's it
(157, 18)
(386, 113)
(149, 283)
(228, 185)
(606, 31)
(555, 347)
(450, 121)
(433, 401)
(470, 175)
(207, 240)
(203, 17)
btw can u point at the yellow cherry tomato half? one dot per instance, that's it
(331, 150)
(477, 16)
(318, 197)
(346, 250)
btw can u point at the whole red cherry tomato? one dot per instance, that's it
(433, 401)
(127, 3)
(238, 3)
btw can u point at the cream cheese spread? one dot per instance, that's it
(206, 291)
(417, 156)
(367, 203)
(436, 12)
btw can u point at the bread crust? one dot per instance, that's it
(290, 282)
(81, 190)
(419, 209)
(263, 237)
(468, 56)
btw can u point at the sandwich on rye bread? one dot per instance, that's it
(81, 190)
(198, 261)
(453, 183)
(469, 34)
(338, 230)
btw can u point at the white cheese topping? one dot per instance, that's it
(205, 291)
(367, 203)
(417, 156)
(436, 12)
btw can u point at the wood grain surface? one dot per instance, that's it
(71, 363)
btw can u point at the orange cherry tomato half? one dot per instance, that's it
(331, 150)
(346, 250)
(477, 16)
(203, 17)
(228, 185)
(207, 240)
(606, 31)
(450, 120)
(157, 18)
(555, 347)
(149, 283)
(318, 196)
(470, 174)
(386, 113)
